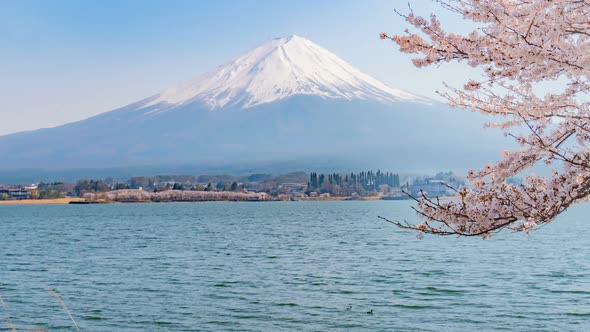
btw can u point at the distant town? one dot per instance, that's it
(292, 186)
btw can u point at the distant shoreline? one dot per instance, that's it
(68, 200)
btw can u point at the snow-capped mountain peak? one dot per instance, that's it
(278, 69)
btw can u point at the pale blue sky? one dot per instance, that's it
(62, 61)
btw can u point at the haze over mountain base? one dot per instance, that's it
(304, 133)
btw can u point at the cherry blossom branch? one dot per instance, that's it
(519, 44)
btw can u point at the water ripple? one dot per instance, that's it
(312, 266)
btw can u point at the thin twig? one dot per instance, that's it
(54, 294)
(8, 320)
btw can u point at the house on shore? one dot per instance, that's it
(15, 193)
(430, 188)
(289, 188)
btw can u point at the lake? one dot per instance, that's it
(284, 266)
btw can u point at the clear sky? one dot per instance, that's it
(62, 61)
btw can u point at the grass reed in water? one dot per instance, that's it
(58, 298)
(8, 320)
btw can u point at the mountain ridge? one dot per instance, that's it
(256, 109)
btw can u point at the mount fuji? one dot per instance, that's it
(285, 100)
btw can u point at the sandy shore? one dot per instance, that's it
(76, 199)
(66, 200)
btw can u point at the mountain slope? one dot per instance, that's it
(288, 99)
(276, 70)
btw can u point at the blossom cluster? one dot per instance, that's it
(136, 195)
(519, 45)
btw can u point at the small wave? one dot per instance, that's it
(162, 322)
(246, 316)
(567, 291)
(349, 326)
(222, 322)
(517, 316)
(287, 304)
(432, 273)
(414, 306)
(443, 290)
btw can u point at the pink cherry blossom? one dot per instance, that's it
(519, 45)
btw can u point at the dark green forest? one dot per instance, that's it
(363, 183)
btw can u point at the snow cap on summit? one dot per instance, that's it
(278, 69)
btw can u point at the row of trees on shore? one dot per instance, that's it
(363, 183)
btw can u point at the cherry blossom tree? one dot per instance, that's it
(137, 195)
(519, 45)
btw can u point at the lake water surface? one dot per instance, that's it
(292, 266)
